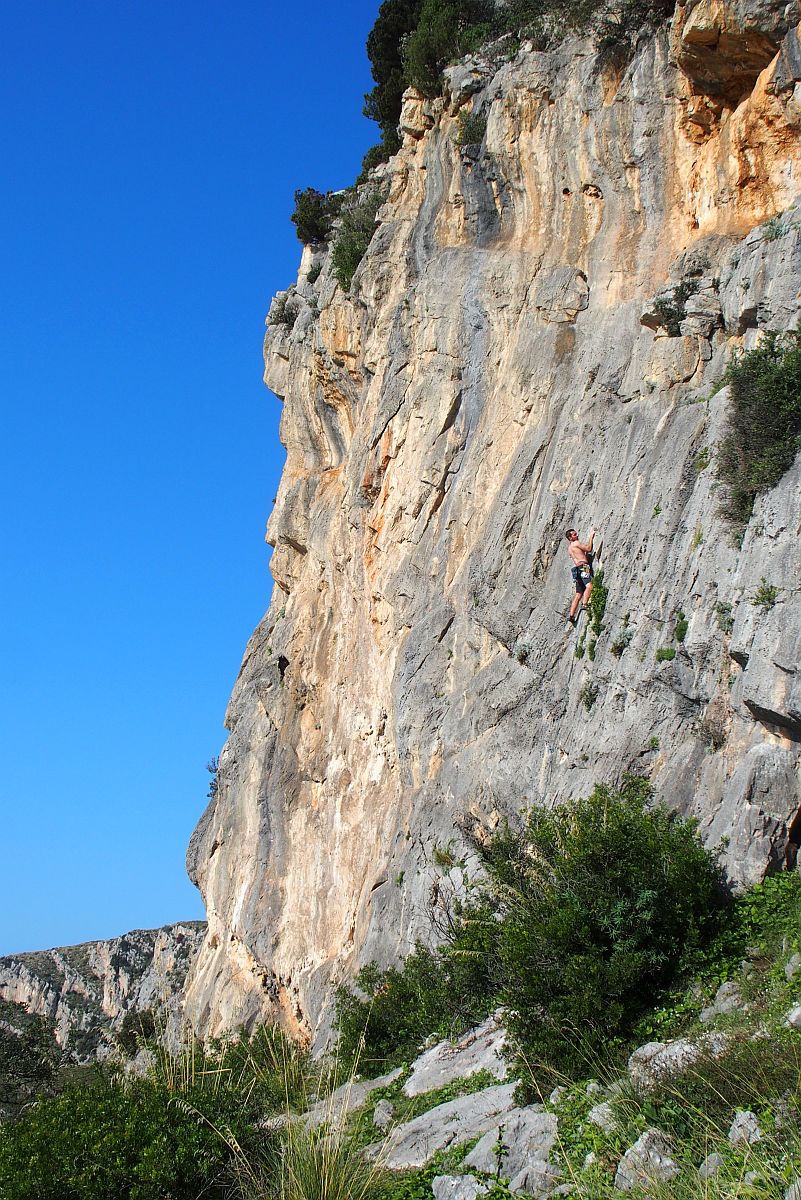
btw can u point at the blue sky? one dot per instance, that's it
(150, 151)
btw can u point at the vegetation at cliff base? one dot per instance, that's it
(175, 1133)
(763, 432)
(588, 914)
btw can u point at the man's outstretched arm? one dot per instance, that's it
(587, 546)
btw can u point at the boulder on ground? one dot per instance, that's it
(647, 1162)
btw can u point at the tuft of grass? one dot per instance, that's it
(665, 654)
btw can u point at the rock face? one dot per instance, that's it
(501, 370)
(87, 990)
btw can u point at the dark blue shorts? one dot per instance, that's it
(582, 577)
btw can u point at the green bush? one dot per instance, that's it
(605, 900)
(666, 654)
(354, 235)
(395, 21)
(120, 1142)
(446, 29)
(314, 215)
(472, 128)
(764, 422)
(179, 1133)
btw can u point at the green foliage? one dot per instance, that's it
(137, 1027)
(596, 605)
(314, 273)
(281, 313)
(723, 611)
(395, 21)
(314, 215)
(682, 625)
(119, 1142)
(178, 1133)
(765, 596)
(665, 654)
(604, 900)
(29, 1057)
(354, 234)
(774, 228)
(588, 695)
(472, 128)
(672, 309)
(445, 30)
(764, 422)
(703, 459)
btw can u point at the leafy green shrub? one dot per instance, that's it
(596, 605)
(588, 695)
(472, 127)
(120, 1142)
(29, 1057)
(764, 422)
(314, 215)
(445, 30)
(354, 235)
(395, 21)
(765, 596)
(281, 313)
(672, 309)
(137, 1027)
(666, 654)
(682, 625)
(604, 901)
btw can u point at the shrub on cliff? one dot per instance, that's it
(605, 900)
(314, 215)
(446, 30)
(354, 235)
(764, 423)
(395, 21)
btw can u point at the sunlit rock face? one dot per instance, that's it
(502, 369)
(87, 990)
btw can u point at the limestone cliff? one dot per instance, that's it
(87, 990)
(501, 369)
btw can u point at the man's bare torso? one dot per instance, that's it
(577, 553)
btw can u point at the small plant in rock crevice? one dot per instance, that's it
(665, 654)
(765, 596)
(588, 694)
(672, 309)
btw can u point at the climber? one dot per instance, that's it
(581, 571)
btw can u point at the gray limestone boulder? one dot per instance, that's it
(793, 1018)
(413, 1144)
(479, 1050)
(794, 1191)
(457, 1187)
(647, 1162)
(522, 1141)
(383, 1114)
(711, 1165)
(538, 1179)
(603, 1116)
(792, 967)
(745, 1130)
(727, 1000)
(654, 1062)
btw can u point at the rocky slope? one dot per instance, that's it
(501, 369)
(87, 990)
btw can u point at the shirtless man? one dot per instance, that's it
(581, 572)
